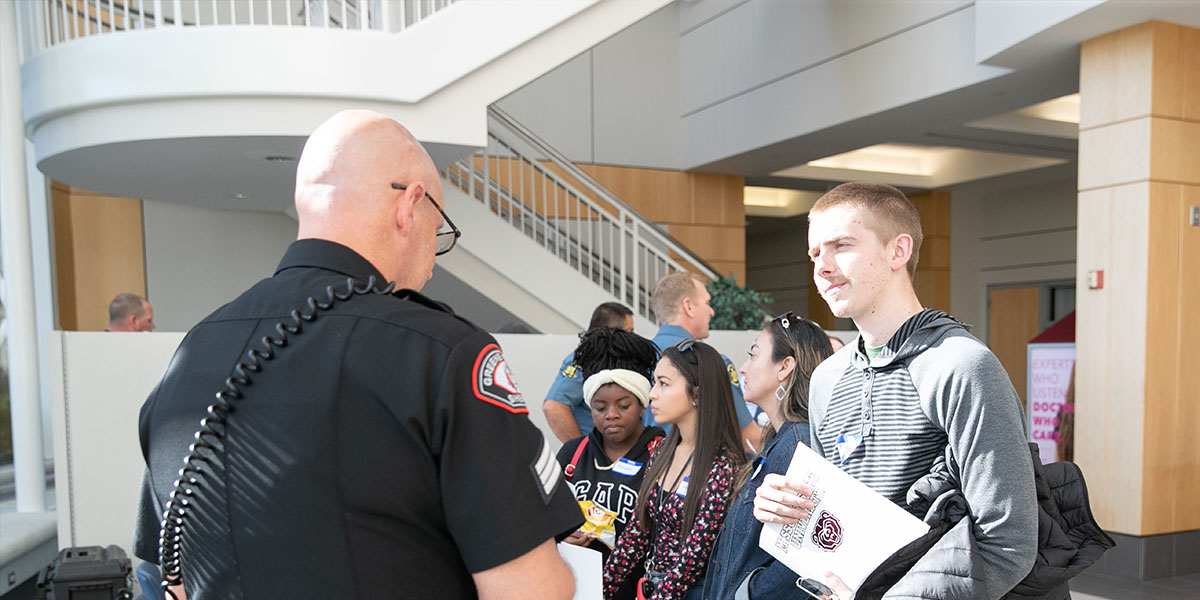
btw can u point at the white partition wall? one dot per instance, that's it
(99, 381)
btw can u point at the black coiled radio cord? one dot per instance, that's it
(212, 427)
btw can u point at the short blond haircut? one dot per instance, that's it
(669, 293)
(888, 212)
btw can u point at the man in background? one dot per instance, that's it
(130, 312)
(680, 303)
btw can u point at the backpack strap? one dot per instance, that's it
(569, 470)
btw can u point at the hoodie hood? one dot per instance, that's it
(915, 336)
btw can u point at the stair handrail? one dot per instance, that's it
(46, 23)
(534, 188)
(605, 194)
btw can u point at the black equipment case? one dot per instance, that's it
(87, 573)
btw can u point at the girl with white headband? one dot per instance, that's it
(605, 468)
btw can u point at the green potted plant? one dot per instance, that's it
(736, 307)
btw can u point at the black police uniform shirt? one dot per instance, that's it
(383, 453)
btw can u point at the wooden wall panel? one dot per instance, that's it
(1175, 149)
(1170, 455)
(1170, 415)
(703, 210)
(1175, 76)
(932, 282)
(1012, 322)
(1115, 78)
(99, 253)
(933, 289)
(1186, 420)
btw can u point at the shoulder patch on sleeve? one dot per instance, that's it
(571, 370)
(493, 383)
(733, 378)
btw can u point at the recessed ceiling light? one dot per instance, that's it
(281, 159)
(915, 165)
(905, 159)
(241, 196)
(1062, 110)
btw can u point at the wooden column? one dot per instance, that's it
(1137, 386)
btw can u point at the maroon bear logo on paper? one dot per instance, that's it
(827, 533)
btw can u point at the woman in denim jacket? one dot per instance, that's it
(775, 377)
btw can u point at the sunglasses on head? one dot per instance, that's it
(786, 320)
(814, 589)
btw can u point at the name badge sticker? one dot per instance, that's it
(847, 444)
(627, 467)
(681, 491)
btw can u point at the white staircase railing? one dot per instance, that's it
(45, 23)
(545, 196)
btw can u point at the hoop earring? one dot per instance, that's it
(780, 393)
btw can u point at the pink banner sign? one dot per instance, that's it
(1046, 391)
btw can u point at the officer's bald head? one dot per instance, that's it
(344, 193)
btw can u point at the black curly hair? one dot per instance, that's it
(608, 348)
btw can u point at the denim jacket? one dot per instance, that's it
(737, 553)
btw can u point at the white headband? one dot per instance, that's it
(635, 382)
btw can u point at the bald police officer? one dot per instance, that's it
(384, 450)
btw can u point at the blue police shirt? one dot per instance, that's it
(568, 389)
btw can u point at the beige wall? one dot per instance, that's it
(1136, 391)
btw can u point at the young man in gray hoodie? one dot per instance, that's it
(914, 382)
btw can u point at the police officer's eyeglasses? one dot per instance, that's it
(445, 239)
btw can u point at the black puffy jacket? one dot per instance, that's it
(945, 564)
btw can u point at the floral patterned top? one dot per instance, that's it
(683, 559)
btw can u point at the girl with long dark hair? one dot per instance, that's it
(776, 379)
(685, 494)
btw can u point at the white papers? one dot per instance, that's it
(851, 531)
(588, 567)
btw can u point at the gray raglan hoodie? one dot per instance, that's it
(935, 385)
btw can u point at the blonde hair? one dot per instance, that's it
(888, 213)
(669, 292)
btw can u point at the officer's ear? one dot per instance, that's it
(405, 205)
